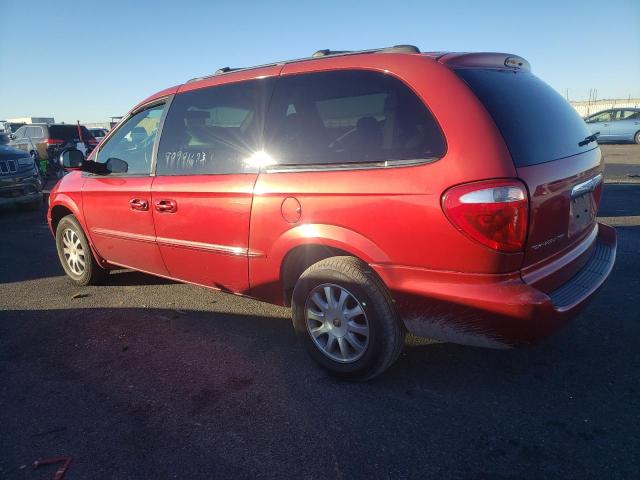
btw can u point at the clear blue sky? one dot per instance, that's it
(91, 60)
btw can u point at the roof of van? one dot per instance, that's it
(451, 59)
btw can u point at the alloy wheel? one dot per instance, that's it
(73, 251)
(337, 323)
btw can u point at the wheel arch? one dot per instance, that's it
(298, 259)
(302, 246)
(58, 212)
(61, 205)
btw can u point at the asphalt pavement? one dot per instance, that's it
(146, 378)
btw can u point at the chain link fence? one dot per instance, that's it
(587, 107)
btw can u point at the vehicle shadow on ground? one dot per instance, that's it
(181, 330)
(161, 377)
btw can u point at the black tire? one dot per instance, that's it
(636, 138)
(385, 331)
(91, 272)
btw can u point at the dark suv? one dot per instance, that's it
(19, 178)
(450, 195)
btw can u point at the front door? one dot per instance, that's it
(21, 140)
(208, 161)
(117, 206)
(601, 122)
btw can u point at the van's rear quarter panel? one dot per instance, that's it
(398, 209)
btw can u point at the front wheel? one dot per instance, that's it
(637, 138)
(75, 253)
(345, 318)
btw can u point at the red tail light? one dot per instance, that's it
(92, 141)
(494, 213)
(53, 141)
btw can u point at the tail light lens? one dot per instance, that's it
(53, 141)
(494, 213)
(92, 141)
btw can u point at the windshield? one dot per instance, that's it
(537, 123)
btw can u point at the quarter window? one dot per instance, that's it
(349, 117)
(133, 141)
(214, 130)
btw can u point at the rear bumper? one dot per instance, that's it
(497, 311)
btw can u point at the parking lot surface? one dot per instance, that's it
(146, 378)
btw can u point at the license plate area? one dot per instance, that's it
(582, 213)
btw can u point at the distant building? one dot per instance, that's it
(105, 125)
(31, 120)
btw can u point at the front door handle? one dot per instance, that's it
(166, 206)
(139, 204)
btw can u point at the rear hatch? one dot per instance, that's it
(553, 156)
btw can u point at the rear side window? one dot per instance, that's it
(68, 133)
(214, 130)
(346, 117)
(35, 132)
(537, 123)
(628, 115)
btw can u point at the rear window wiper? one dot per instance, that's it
(589, 139)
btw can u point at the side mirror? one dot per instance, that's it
(12, 136)
(115, 165)
(71, 159)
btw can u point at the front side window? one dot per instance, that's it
(133, 142)
(214, 130)
(601, 117)
(346, 117)
(20, 133)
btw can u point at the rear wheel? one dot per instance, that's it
(75, 253)
(636, 138)
(344, 316)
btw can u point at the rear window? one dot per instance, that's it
(537, 124)
(68, 133)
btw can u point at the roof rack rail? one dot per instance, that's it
(327, 52)
(395, 49)
(318, 54)
(400, 49)
(225, 70)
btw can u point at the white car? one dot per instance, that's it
(98, 133)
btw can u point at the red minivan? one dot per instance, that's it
(451, 195)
